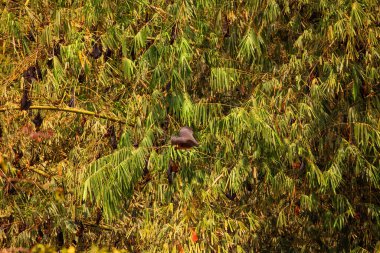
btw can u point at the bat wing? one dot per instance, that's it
(185, 138)
(185, 132)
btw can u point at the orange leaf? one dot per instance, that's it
(26, 129)
(194, 236)
(180, 248)
(296, 165)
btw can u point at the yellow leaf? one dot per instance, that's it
(3, 165)
(4, 46)
(59, 169)
(59, 195)
(71, 249)
(330, 33)
(82, 61)
(254, 172)
(231, 16)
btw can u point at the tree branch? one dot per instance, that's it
(22, 180)
(67, 109)
(97, 226)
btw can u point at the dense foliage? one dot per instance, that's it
(282, 95)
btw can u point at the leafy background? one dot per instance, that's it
(283, 97)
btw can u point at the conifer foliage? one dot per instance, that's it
(281, 96)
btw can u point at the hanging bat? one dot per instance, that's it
(25, 101)
(37, 121)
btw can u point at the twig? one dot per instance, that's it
(40, 172)
(97, 226)
(10, 250)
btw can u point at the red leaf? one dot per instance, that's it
(297, 210)
(296, 165)
(41, 135)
